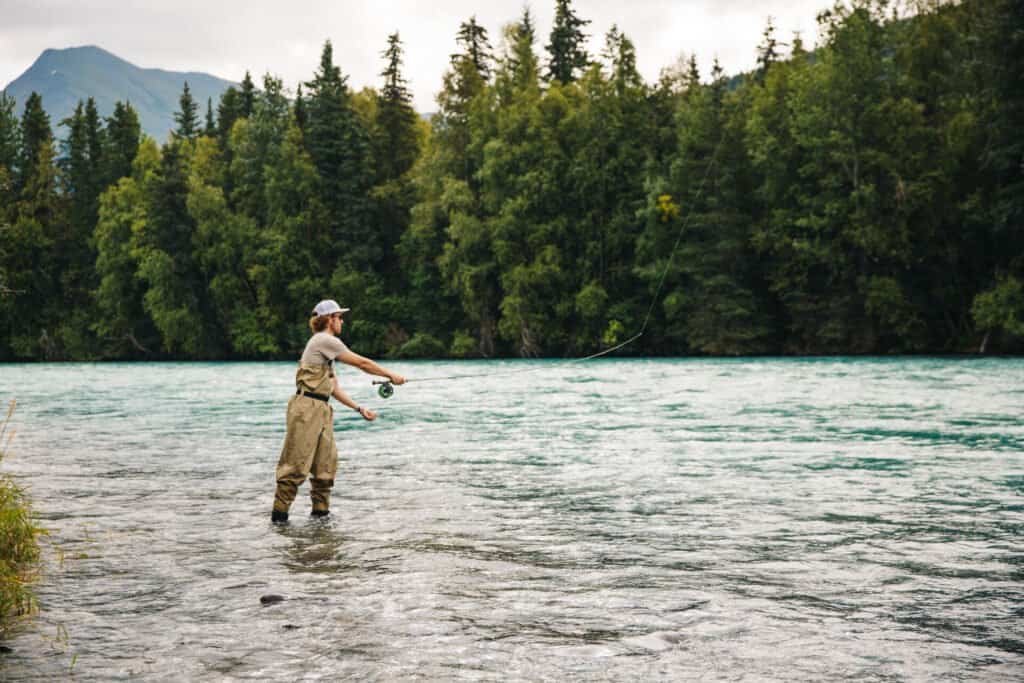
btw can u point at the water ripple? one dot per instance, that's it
(765, 519)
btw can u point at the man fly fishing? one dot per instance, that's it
(309, 449)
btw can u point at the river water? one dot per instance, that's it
(613, 520)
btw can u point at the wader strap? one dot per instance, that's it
(310, 394)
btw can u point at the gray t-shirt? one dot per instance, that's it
(322, 348)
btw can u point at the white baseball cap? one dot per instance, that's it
(329, 306)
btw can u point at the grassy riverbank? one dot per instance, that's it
(19, 547)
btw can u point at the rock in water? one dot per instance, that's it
(271, 599)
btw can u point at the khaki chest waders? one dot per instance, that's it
(309, 449)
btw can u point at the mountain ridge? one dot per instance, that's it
(63, 76)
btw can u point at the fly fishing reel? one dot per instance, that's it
(386, 390)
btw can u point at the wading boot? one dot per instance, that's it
(319, 513)
(278, 517)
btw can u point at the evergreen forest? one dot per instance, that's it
(864, 195)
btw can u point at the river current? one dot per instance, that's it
(755, 519)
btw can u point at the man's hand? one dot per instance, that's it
(368, 414)
(396, 379)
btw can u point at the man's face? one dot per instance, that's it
(336, 322)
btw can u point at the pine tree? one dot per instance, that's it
(294, 267)
(797, 49)
(299, 109)
(10, 133)
(176, 294)
(767, 51)
(247, 96)
(621, 56)
(227, 244)
(692, 80)
(78, 174)
(210, 130)
(74, 255)
(397, 142)
(95, 137)
(10, 144)
(461, 84)
(567, 55)
(476, 48)
(121, 141)
(35, 133)
(254, 146)
(711, 299)
(122, 323)
(34, 307)
(229, 110)
(999, 308)
(187, 117)
(523, 60)
(340, 148)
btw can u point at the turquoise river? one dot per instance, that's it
(628, 520)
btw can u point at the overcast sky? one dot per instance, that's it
(226, 37)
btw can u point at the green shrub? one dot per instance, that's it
(463, 345)
(19, 546)
(422, 345)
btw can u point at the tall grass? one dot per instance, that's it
(19, 546)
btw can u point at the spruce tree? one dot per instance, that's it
(397, 143)
(767, 51)
(567, 56)
(10, 147)
(523, 60)
(122, 323)
(255, 145)
(229, 110)
(476, 48)
(10, 143)
(94, 137)
(712, 298)
(692, 80)
(396, 147)
(10, 132)
(299, 109)
(999, 308)
(121, 141)
(339, 145)
(210, 130)
(621, 57)
(31, 273)
(74, 256)
(77, 174)
(35, 133)
(464, 81)
(187, 116)
(176, 296)
(797, 49)
(247, 96)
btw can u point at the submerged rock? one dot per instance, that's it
(271, 599)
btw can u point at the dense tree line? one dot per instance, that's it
(863, 197)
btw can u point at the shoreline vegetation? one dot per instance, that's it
(860, 196)
(19, 547)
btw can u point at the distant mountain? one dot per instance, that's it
(63, 77)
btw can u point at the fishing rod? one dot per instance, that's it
(386, 389)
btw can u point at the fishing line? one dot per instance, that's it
(386, 389)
